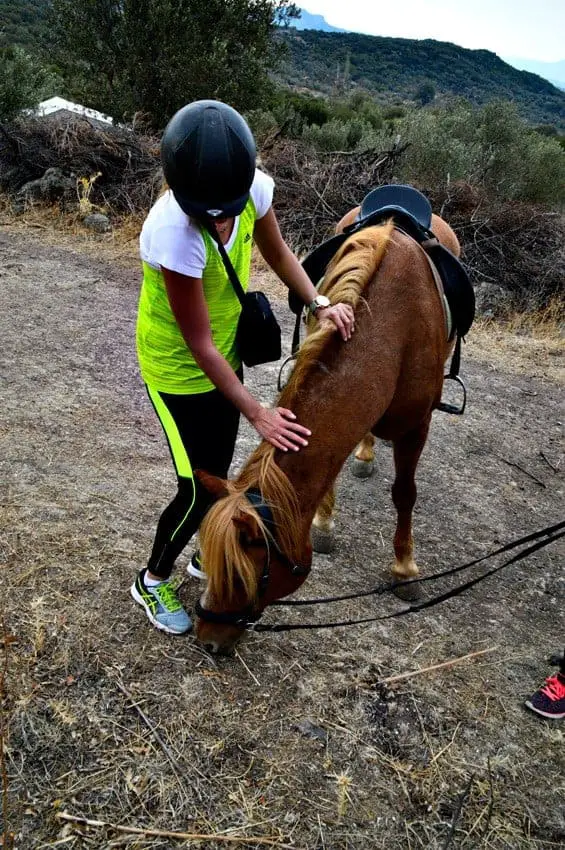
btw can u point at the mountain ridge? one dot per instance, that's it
(553, 72)
(323, 61)
(308, 21)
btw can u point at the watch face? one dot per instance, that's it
(322, 301)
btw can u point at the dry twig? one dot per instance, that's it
(153, 730)
(180, 836)
(457, 812)
(444, 664)
(7, 836)
(551, 465)
(521, 468)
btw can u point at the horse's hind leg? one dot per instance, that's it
(364, 459)
(407, 451)
(321, 533)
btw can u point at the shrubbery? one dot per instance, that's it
(490, 146)
(24, 81)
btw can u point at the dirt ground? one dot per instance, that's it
(297, 741)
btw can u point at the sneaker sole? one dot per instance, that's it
(544, 713)
(141, 601)
(195, 572)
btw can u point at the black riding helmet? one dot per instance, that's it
(208, 154)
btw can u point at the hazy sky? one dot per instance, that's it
(532, 29)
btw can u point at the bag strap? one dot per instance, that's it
(455, 359)
(232, 274)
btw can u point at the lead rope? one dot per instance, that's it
(383, 588)
(553, 534)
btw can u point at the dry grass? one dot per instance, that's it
(525, 342)
(120, 245)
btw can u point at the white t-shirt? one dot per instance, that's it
(169, 237)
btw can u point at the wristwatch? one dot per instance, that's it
(319, 301)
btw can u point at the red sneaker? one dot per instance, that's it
(549, 700)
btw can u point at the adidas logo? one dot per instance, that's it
(247, 237)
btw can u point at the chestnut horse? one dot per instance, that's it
(385, 381)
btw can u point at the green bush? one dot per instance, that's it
(332, 136)
(543, 173)
(293, 111)
(519, 164)
(491, 147)
(359, 105)
(391, 113)
(23, 82)
(425, 93)
(263, 124)
(441, 146)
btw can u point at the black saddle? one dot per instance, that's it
(412, 213)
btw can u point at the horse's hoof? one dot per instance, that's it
(362, 468)
(409, 590)
(322, 541)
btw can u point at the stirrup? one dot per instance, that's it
(453, 408)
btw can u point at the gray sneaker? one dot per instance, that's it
(161, 605)
(194, 567)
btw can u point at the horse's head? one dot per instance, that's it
(245, 562)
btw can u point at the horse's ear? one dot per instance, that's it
(217, 487)
(246, 524)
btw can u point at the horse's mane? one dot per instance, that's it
(224, 559)
(349, 272)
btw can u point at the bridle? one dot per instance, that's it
(248, 616)
(247, 619)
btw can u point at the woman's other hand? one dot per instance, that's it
(279, 427)
(341, 315)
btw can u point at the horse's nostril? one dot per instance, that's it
(210, 647)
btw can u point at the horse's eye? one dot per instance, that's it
(255, 543)
(246, 541)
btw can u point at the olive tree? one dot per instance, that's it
(153, 56)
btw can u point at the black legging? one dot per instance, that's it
(201, 431)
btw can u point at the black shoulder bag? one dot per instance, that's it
(258, 335)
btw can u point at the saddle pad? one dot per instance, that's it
(457, 287)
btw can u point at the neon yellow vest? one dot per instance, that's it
(165, 360)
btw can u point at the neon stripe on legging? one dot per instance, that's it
(180, 458)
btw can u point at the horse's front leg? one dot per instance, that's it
(364, 458)
(407, 451)
(321, 533)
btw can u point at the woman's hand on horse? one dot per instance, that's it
(279, 427)
(341, 315)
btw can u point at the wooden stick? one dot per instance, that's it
(551, 466)
(7, 836)
(150, 726)
(457, 812)
(443, 664)
(521, 468)
(165, 833)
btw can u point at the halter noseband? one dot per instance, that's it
(247, 618)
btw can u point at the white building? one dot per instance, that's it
(55, 105)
